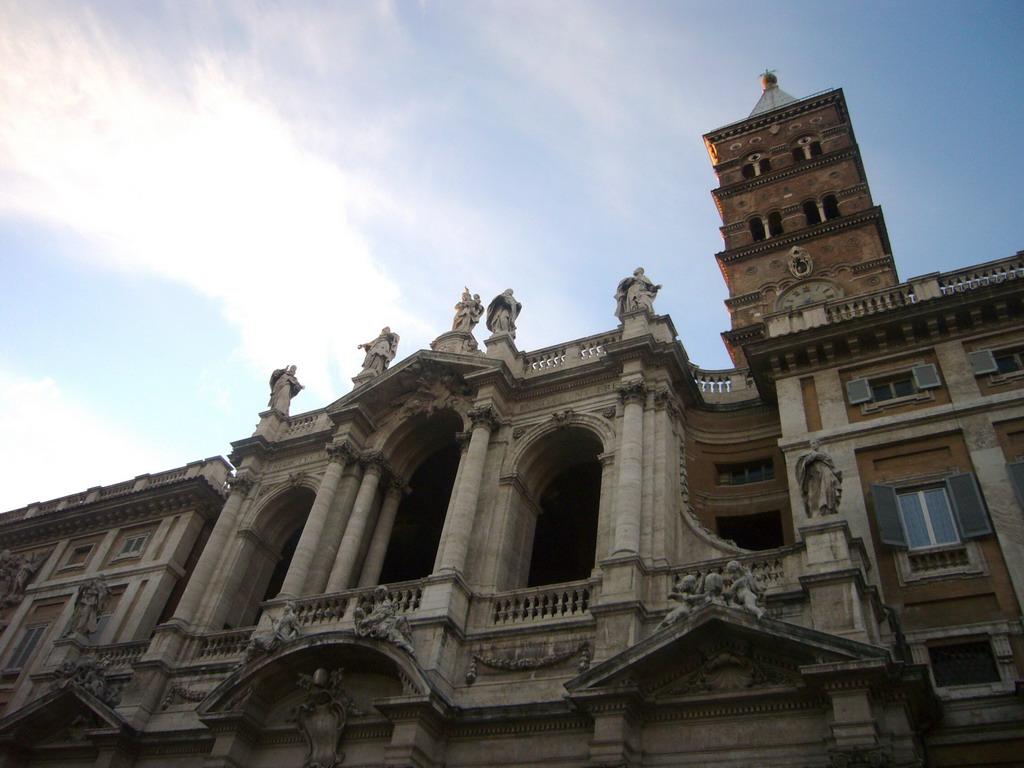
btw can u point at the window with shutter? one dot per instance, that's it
(983, 362)
(858, 391)
(926, 376)
(934, 515)
(1016, 470)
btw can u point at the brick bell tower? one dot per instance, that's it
(797, 217)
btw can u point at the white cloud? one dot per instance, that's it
(62, 447)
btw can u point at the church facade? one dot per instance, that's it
(594, 554)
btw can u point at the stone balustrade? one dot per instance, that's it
(121, 655)
(573, 353)
(870, 303)
(769, 570)
(304, 424)
(983, 274)
(726, 385)
(542, 603)
(223, 644)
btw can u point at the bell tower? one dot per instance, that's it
(798, 220)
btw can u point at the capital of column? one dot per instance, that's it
(632, 392)
(240, 483)
(396, 484)
(484, 416)
(341, 451)
(374, 461)
(462, 440)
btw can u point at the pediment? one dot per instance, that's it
(424, 380)
(65, 714)
(719, 650)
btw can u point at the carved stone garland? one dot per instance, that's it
(521, 664)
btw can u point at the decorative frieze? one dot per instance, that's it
(518, 663)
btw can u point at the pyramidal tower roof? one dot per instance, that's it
(773, 96)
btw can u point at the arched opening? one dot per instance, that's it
(266, 563)
(763, 166)
(831, 207)
(757, 229)
(420, 518)
(811, 212)
(565, 539)
(748, 171)
(552, 536)
(774, 224)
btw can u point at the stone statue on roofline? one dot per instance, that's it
(820, 482)
(502, 313)
(634, 293)
(283, 387)
(468, 312)
(380, 351)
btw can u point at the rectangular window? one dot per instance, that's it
(999, 361)
(927, 518)
(931, 515)
(914, 382)
(964, 664)
(26, 645)
(742, 474)
(132, 546)
(78, 556)
(1009, 362)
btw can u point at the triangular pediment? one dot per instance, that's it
(65, 714)
(719, 650)
(425, 375)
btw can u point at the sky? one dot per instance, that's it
(194, 193)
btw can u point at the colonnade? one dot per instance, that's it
(346, 533)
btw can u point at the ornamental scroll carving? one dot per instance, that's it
(632, 392)
(519, 664)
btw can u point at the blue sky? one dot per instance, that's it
(195, 193)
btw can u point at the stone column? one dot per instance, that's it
(463, 511)
(629, 493)
(312, 531)
(337, 521)
(351, 542)
(199, 582)
(462, 440)
(382, 532)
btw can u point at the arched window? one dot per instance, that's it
(774, 224)
(830, 206)
(806, 148)
(811, 213)
(565, 539)
(757, 229)
(756, 165)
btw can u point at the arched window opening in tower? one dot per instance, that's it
(830, 206)
(807, 147)
(811, 213)
(757, 229)
(420, 518)
(775, 224)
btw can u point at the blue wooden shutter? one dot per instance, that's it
(887, 513)
(1016, 470)
(968, 505)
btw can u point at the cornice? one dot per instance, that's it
(786, 111)
(191, 494)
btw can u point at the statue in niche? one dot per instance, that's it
(16, 571)
(800, 263)
(744, 591)
(92, 599)
(468, 312)
(384, 623)
(321, 717)
(282, 629)
(502, 313)
(380, 352)
(283, 387)
(687, 597)
(820, 482)
(634, 293)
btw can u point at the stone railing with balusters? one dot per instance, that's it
(564, 601)
(405, 597)
(300, 425)
(223, 644)
(322, 609)
(573, 353)
(727, 385)
(121, 655)
(983, 274)
(769, 570)
(870, 303)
